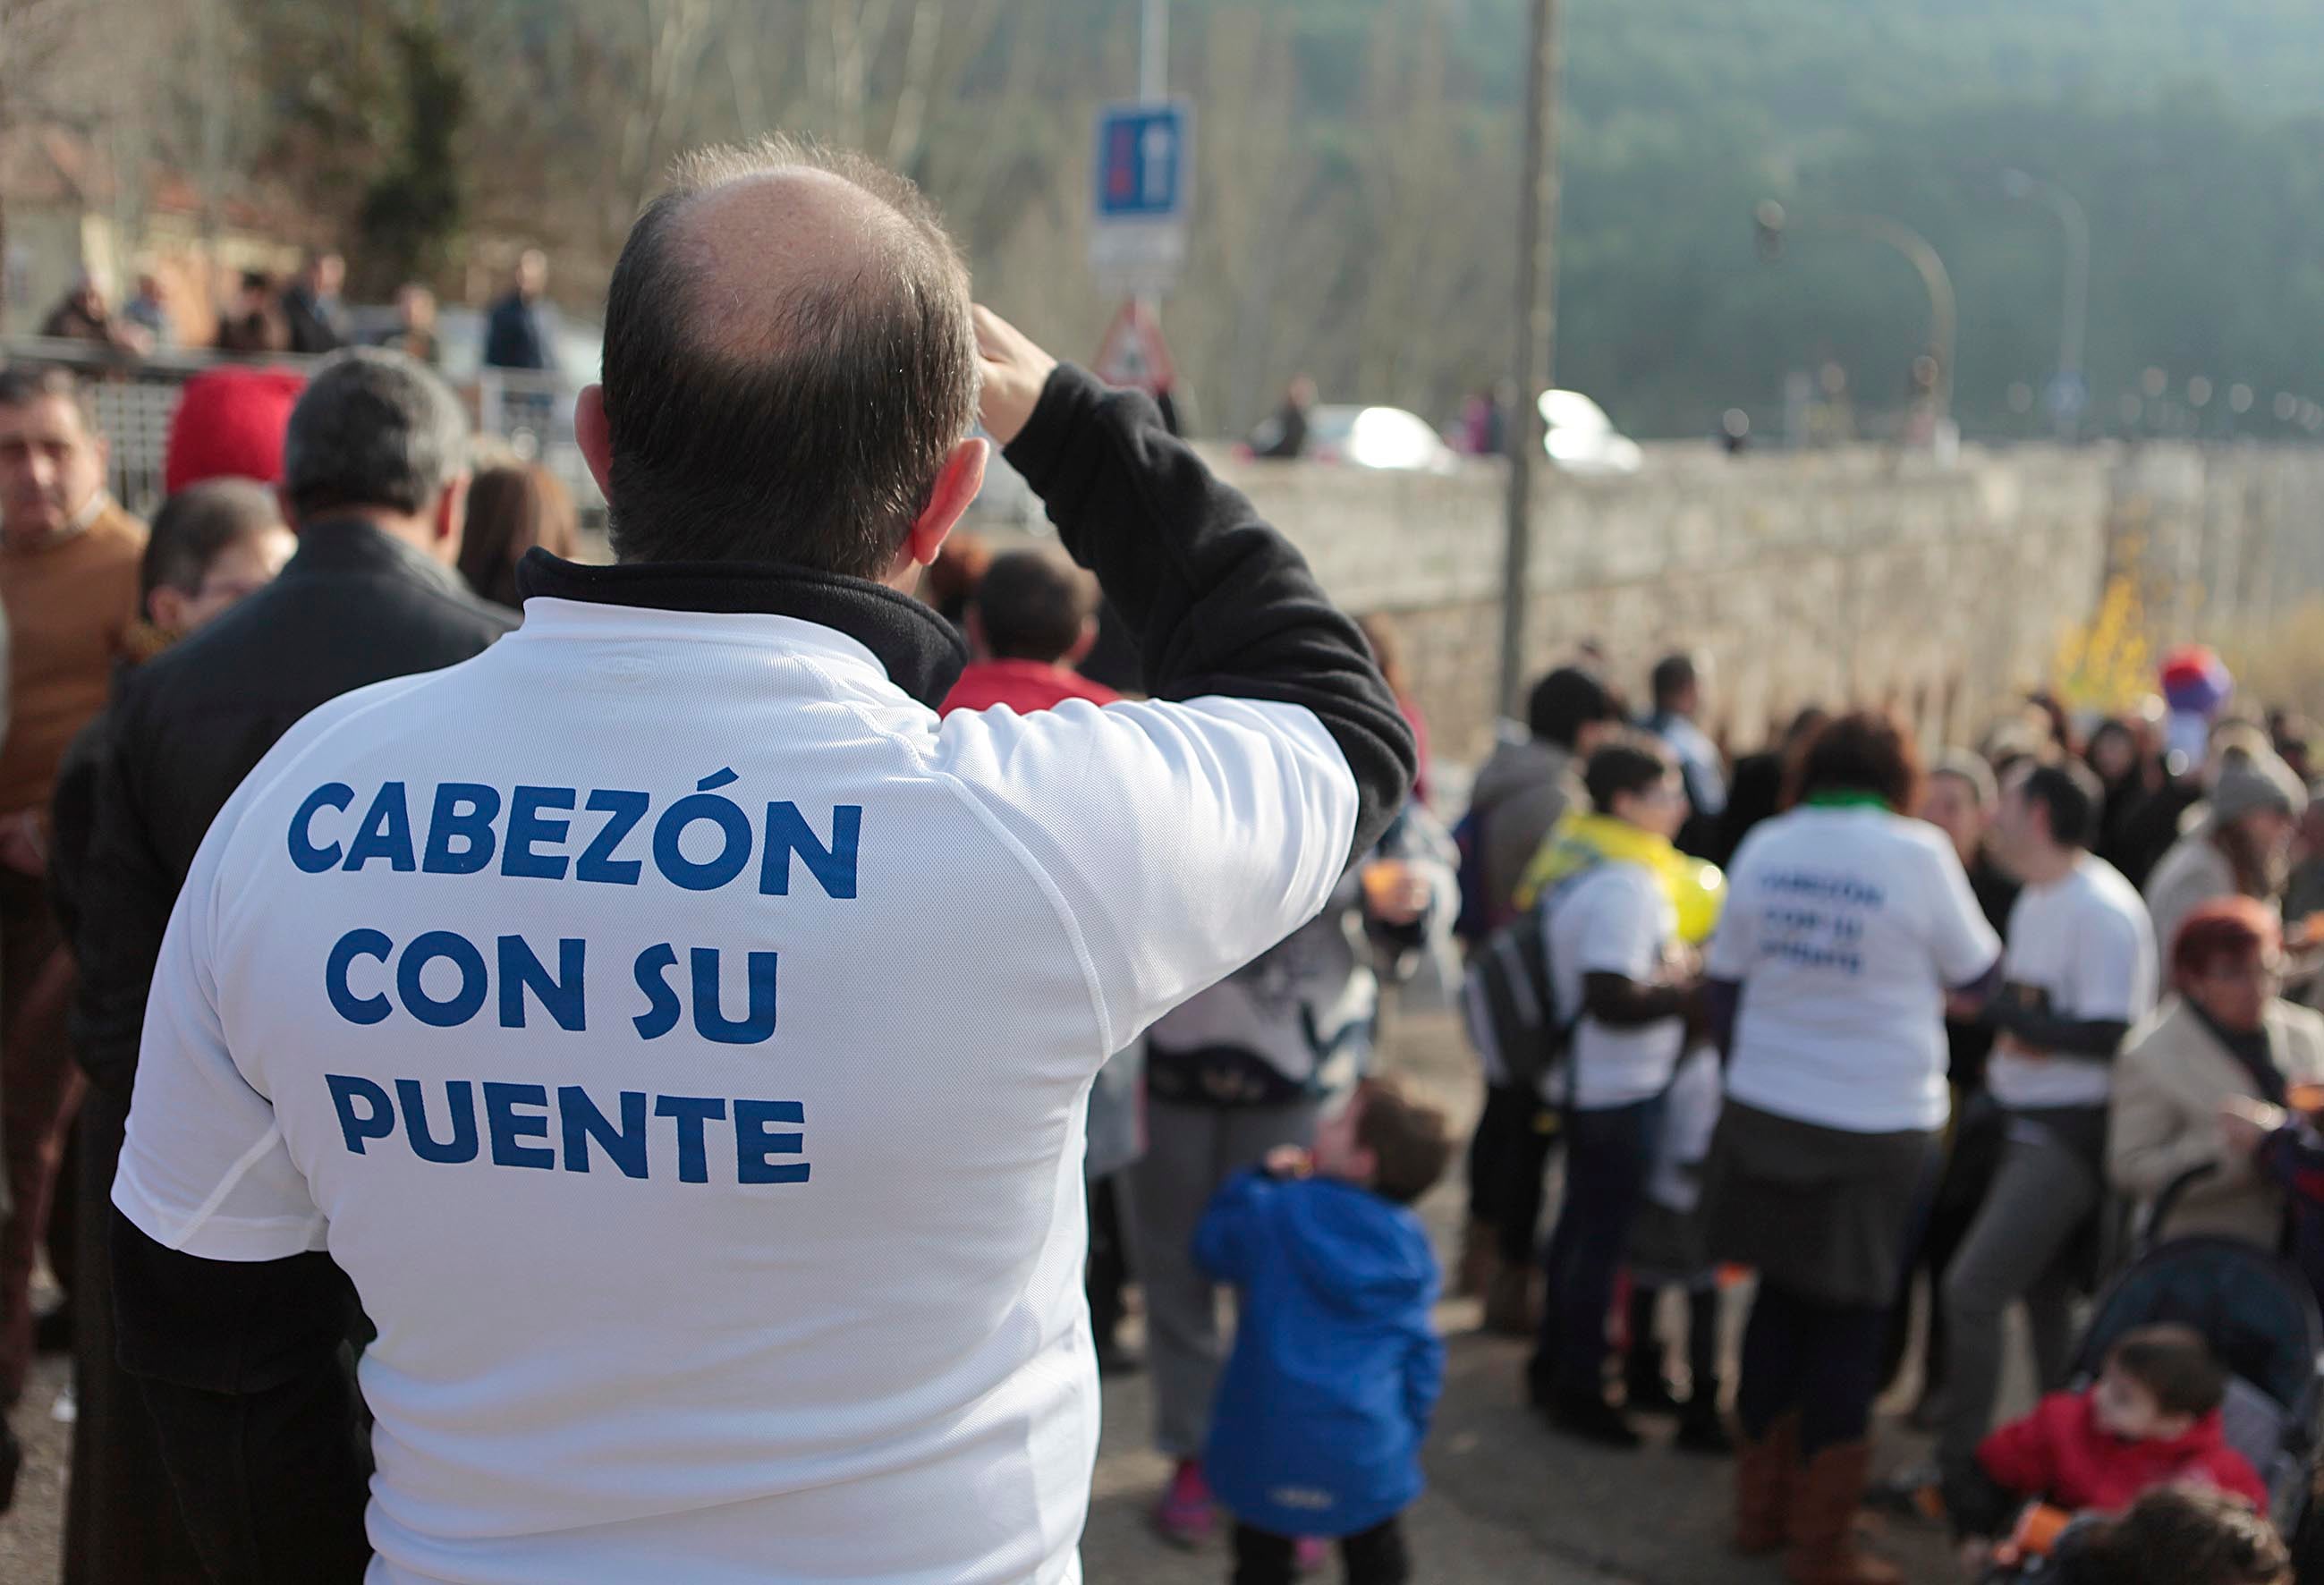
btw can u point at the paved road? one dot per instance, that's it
(1509, 1504)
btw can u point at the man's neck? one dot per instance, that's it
(418, 532)
(71, 528)
(2051, 865)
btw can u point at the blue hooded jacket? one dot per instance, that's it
(1336, 1367)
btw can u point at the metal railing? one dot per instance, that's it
(134, 397)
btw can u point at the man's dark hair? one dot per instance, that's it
(1673, 675)
(1863, 751)
(199, 524)
(2071, 797)
(373, 427)
(23, 384)
(1567, 700)
(1410, 1140)
(813, 438)
(2174, 1363)
(1628, 764)
(1033, 605)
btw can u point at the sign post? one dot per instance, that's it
(1139, 200)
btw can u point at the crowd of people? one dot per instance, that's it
(95, 605)
(1958, 1042)
(306, 314)
(1828, 1013)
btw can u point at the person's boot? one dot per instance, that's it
(1481, 1259)
(1700, 1427)
(11, 1463)
(1820, 1529)
(1764, 1470)
(1645, 1387)
(1509, 1302)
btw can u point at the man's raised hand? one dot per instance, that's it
(1015, 370)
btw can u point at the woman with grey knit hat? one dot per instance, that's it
(2239, 844)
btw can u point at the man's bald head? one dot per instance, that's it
(788, 362)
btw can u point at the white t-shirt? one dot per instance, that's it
(2084, 943)
(681, 1039)
(1846, 926)
(1614, 919)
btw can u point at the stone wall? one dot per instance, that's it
(1809, 577)
(2224, 542)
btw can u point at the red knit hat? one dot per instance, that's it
(229, 425)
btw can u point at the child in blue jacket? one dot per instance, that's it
(1336, 1367)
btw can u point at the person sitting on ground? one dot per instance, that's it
(1330, 1263)
(1623, 984)
(2177, 1536)
(2151, 1419)
(2229, 1033)
(510, 510)
(1031, 619)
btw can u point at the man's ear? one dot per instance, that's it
(1084, 644)
(451, 520)
(957, 483)
(595, 436)
(165, 608)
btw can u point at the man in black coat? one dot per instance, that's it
(375, 478)
(312, 308)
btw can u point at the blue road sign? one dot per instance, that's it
(1142, 161)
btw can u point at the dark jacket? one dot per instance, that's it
(354, 606)
(513, 336)
(1336, 1367)
(315, 327)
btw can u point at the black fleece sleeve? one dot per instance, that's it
(253, 1405)
(1620, 1002)
(2085, 1037)
(126, 892)
(1219, 602)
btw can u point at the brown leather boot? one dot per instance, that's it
(1509, 1302)
(1481, 1258)
(1764, 1472)
(1820, 1529)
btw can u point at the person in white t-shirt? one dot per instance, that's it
(1846, 925)
(675, 1036)
(1624, 985)
(2080, 973)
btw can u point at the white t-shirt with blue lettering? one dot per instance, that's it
(1845, 927)
(681, 1039)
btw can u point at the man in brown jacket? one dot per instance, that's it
(69, 561)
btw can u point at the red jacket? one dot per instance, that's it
(1024, 686)
(2060, 1454)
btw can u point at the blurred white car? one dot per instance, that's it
(1385, 437)
(1582, 439)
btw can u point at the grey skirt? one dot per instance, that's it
(1822, 1214)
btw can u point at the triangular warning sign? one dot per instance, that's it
(1133, 354)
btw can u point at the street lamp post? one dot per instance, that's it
(1773, 223)
(2074, 321)
(1536, 327)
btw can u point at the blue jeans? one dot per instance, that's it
(1608, 1156)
